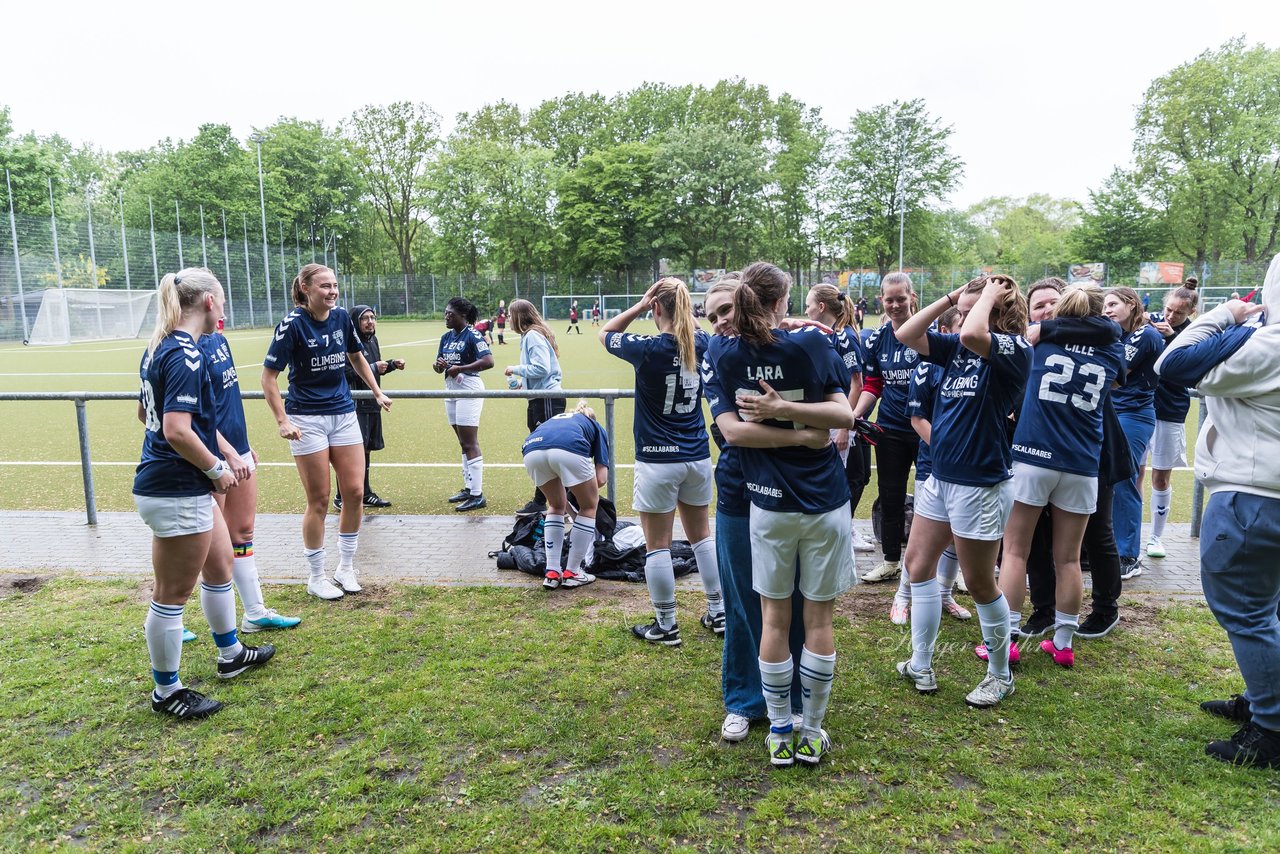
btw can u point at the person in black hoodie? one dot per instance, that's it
(367, 411)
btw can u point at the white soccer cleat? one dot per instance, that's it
(886, 571)
(346, 579)
(989, 692)
(323, 588)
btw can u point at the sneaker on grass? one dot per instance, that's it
(267, 621)
(714, 622)
(1252, 746)
(581, 578)
(735, 727)
(1235, 709)
(1037, 624)
(654, 633)
(781, 747)
(954, 609)
(989, 692)
(185, 705)
(925, 680)
(249, 658)
(347, 579)
(1097, 626)
(323, 588)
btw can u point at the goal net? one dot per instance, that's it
(67, 315)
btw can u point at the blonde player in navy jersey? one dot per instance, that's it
(673, 457)
(179, 470)
(240, 505)
(969, 495)
(566, 453)
(463, 354)
(831, 307)
(1055, 462)
(314, 341)
(799, 516)
(890, 366)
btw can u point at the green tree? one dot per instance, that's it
(309, 175)
(790, 210)
(394, 146)
(893, 158)
(572, 126)
(1206, 150)
(1119, 226)
(1027, 236)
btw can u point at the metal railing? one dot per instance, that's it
(81, 398)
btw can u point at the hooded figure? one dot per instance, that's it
(367, 411)
(1232, 356)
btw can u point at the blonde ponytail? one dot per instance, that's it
(584, 408)
(836, 304)
(674, 299)
(1080, 301)
(177, 294)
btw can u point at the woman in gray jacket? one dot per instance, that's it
(1234, 361)
(539, 370)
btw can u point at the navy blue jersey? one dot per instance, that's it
(894, 364)
(175, 378)
(924, 390)
(800, 366)
(1173, 400)
(1060, 426)
(849, 348)
(315, 351)
(1141, 349)
(226, 391)
(573, 432)
(970, 446)
(462, 348)
(668, 424)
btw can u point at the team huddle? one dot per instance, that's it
(1015, 411)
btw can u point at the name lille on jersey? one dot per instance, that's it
(332, 362)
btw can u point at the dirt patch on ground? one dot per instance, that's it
(15, 583)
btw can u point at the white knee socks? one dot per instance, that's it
(704, 554)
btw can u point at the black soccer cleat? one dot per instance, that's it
(249, 658)
(475, 502)
(654, 633)
(463, 495)
(186, 705)
(531, 508)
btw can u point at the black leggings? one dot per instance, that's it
(895, 455)
(857, 470)
(541, 409)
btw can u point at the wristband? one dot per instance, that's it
(218, 470)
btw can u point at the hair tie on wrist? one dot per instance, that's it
(950, 300)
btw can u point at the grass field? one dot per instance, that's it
(416, 431)
(506, 720)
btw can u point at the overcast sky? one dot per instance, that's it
(1041, 96)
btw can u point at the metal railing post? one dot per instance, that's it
(1197, 489)
(86, 465)
(613, 445)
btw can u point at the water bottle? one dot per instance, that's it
(513, 382)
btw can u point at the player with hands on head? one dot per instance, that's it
(968, 497)
(179, 471)
(315, 341)
(673, 457)
(462, 355)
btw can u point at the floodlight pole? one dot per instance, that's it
(262, 205)
(226, 257)
(902, 217)
(204, 251)
(155, 267)
(93, 254)
(124, 252)
(182, 265)
(17, 262)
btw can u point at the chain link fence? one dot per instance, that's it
(37, 253)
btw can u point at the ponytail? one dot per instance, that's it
(836, 303)
(674, 299)
(178, 293)
(1080, 301)
(763, 285)
(584, 408)
(304, 278)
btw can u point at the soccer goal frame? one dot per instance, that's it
(69, 315)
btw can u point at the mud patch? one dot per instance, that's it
(22, 583)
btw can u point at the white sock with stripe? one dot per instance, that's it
(315, 562)
(580, 540)
(163, 631)
(926, 617)
(816, 675)
(660, 578)
(948, 568)
(704, 555)
(219, 606)
(244, 573)
(1159, 510)
(775, 684)
(1065, 630)
(993, 617)
(347, 545)
(553, 539)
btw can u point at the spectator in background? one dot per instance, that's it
(1233, 364)
(595, 314)
(573, 319)
(368, 413)
(860, 312)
